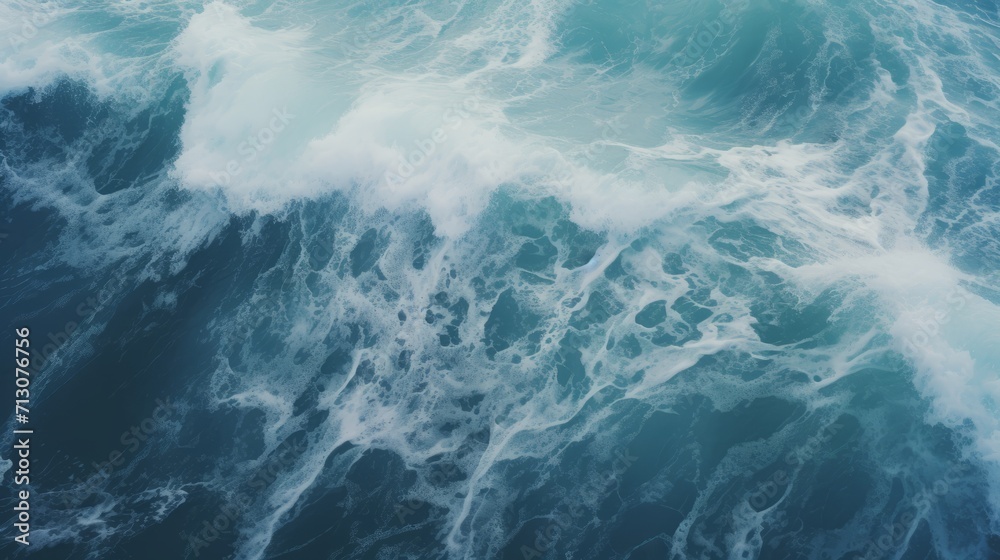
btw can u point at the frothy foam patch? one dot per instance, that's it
(240, 119)
(406, 143)
(953, 346)
(443, 142)
(38, 47)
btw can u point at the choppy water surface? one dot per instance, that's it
(549, 279)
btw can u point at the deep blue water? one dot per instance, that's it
(471, 280)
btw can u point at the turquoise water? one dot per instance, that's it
(548, 279)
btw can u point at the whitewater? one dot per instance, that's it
(689, 279)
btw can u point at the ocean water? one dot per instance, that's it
(461, 279)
